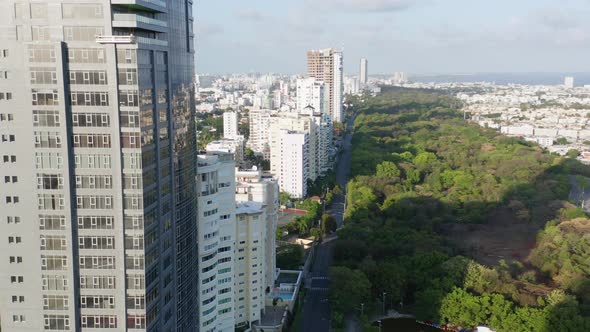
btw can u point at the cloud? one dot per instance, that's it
(252, 15)
(207, 29)
(366, 5)
(557, 19)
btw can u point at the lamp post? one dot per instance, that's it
(362, 309)
(383, 300)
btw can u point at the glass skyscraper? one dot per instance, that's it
(97, 166)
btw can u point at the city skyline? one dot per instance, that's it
(422, 37)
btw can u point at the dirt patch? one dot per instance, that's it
(504, 236)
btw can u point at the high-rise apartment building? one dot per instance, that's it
(328, 66)
(97, 155)
(230, 124)
(310, 92)
(364, 71)
(216, 223)
(250, 279)
(299, 122)
(292, 171)
(252, 186)
(259, 140)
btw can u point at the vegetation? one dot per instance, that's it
(418, 169)
(290, 257)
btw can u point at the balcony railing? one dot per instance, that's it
(151, 41)
(139, 19)
(158, 3)
(130, 39)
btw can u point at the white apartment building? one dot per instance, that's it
(229, 145)
(259, 140)
(310, 92)
(252, 186)
(338, 108)
(216, 234)
(324, 136)
(291, 161)
(568, 82)
(295, 122)
(364, 71)
(250, 282)
(351, 85)
(230, 125)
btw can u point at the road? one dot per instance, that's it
(316, 307)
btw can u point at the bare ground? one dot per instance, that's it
(503, 237)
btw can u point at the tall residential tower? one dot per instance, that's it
(364, 71)
(98, 164)
(327, 66)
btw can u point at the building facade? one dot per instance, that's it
(310, 92)
(229, 145)
(216, 241)
(292, 161)
(250, 263)
(230, 125)
(98, 206)
(328, 66)
(307, 123)
(259, 140)
(252, 186)
(364, 71)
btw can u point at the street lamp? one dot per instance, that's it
(362, 308)
(384, 293)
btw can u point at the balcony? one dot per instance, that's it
(148, 5)
(130, 39)
(139, 22)
(152, 42)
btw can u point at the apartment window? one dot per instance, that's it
(86, 55)
(56, 322)
(42, 97)
(78, 33)
(78, 98)
(81, 11)
(14, 239)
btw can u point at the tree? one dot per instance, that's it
(562, 141)
(290, 257)
(348, 289)
(387, 169)
(284, 198)
(329, 224)
(316, 233)
(573, 153)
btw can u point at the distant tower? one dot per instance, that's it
(364, 73)
(569, 82)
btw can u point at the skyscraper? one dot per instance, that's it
(364, 71)
(98, 203)
(327, 66)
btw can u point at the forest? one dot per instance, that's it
(423, 182)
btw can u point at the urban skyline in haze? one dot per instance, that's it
(431, 36)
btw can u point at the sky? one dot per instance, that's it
(414, 36)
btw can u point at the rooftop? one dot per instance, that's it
(249, 208)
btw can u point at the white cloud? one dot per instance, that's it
(365, 5)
